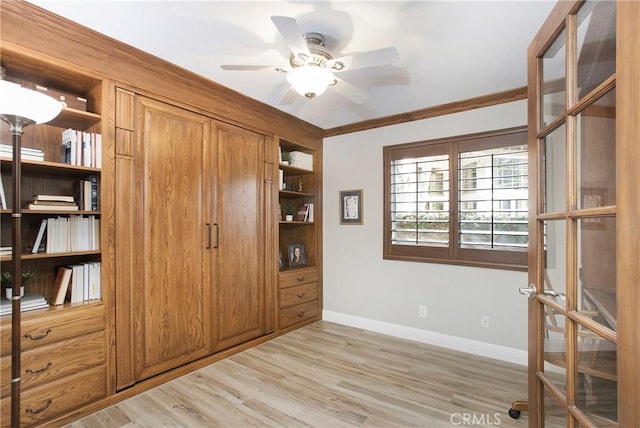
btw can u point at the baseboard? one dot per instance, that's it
(470, 346)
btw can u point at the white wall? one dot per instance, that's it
(364, 289)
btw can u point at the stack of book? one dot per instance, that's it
(5, 251)
(81, 148)
(68, 234)
(86, 193)
(29, 302)
(26, 153)
(52, 203)
(81, 281)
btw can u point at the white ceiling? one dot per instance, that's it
(449, 50)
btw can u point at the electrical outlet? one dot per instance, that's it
(484, 321)
(422, 311)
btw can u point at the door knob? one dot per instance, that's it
(529, 291)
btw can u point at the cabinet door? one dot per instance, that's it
(240, 284)
(172, 287)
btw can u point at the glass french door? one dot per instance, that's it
(573, 341)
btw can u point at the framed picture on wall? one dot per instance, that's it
(351, 206)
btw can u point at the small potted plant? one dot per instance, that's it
(7, 282)
(289, 211)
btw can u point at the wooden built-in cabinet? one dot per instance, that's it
(190, 233)
(64, 348)
(299, 293)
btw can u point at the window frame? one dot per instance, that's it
(453, 254)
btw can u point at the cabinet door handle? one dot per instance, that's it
(42, 336)
(301, 294)
(300, 278)
(49, 364)
(208, 236)
(300, 314)
(42, 409)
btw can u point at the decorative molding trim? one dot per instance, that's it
(439, 110)
(489, 350)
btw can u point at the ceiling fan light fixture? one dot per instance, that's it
(310, 80)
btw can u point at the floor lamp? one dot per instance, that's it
(20, 107)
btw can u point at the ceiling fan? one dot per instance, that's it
(311, 66)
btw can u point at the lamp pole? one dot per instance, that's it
(19, 107)
(16, 126)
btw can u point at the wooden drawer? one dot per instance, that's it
(298, 277)
(53, 326)
(55, 361)
(55, 398)
(295, 314)
(295, 295)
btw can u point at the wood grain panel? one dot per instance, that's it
(296, 295)
(125, 220)
(240, 281)
(45, 402)
(295, 277)
(125, 111)
(55, 361)
(628, 204)
(55, 326)
(297, 314)
(173, 322)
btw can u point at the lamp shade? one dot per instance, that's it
(26, 103)
(310, 80)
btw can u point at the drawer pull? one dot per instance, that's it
(300, 314)
(301, 294)
(300, 278)
(44, 334)
(42, 409)
(49, 364)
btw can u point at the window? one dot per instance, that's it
(460, 200)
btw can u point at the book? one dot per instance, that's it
(61, 285)
(29, 302)
(3, 198)
(52, 207)
(61, 198)
(77, 283)
(39, 236)
(98, 151)
(94, 192)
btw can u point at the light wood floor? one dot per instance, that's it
(329, 375)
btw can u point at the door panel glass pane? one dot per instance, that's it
(553, 80)
(597, 269)
(555, 414)
(555, 259)
(596, 44)
(554, 164)
(597, 381)
(555, 348)
(597, 153)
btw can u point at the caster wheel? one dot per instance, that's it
(515, 414)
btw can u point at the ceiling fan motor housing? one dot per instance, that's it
(320, 56)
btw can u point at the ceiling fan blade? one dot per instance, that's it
(249, 67)
(354, 93)
(373, 58)
(289, 97)
(288, 28)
